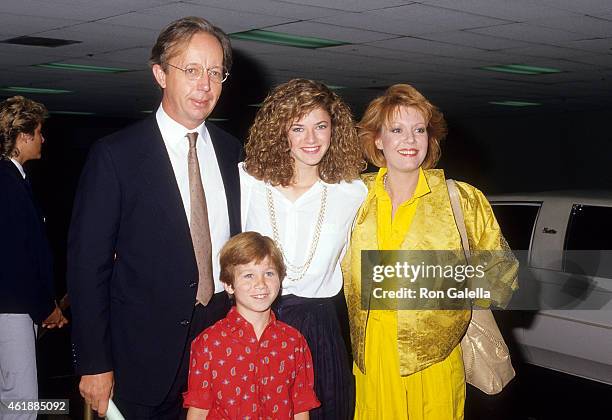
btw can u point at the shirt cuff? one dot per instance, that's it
(197, 400)
(306, 401)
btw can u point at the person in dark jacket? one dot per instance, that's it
(27, 298)
(155, 203)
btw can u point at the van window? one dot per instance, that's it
(517, 221)
(588, 233)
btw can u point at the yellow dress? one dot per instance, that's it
(434, 393)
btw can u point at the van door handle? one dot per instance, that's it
(549, 230)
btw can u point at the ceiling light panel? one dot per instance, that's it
(515, 103)
(81, 67)
(272, 37)
(325, 30)
(27, 89)
(37, 41)
(521, 69)
(71, 113)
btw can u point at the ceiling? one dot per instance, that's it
(440, 46)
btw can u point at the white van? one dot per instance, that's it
(566, 238)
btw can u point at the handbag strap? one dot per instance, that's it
(453, 193)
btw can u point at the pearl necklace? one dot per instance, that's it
(300, 270)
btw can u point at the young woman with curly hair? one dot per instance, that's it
(300, 185)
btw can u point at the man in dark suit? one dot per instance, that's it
(27, 298)
(155, 203)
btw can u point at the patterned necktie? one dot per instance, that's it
(200, 231)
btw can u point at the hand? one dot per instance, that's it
(97, 390)
(55, 320)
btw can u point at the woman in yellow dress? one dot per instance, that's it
(408, 363)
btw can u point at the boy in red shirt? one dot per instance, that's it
(249, 365)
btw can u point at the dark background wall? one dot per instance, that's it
(531, 151)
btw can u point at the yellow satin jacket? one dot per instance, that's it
(426, 337)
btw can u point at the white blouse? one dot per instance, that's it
(296, 223)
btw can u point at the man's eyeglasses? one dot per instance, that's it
(195, 71)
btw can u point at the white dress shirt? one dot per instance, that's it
(177, 145)
(18, 165)
(296, 222)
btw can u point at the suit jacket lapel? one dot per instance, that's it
(12, 169)
(156, 170)
(14, 172)
(228, 165)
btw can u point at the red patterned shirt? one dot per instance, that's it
(235, 376)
